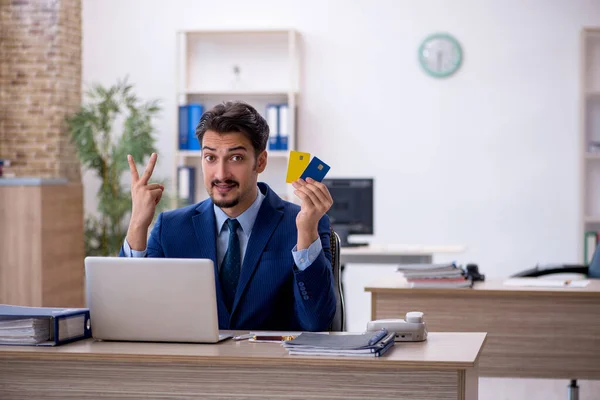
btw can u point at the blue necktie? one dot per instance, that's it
(231, 265)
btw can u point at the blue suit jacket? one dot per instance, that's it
(270, 290)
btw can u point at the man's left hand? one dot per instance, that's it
(316, 201)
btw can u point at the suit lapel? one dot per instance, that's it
(267, 220)
(206, 234)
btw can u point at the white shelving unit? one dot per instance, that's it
(260, 67)
(590, 138)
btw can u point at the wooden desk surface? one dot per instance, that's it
(397, 282)
(441, 350)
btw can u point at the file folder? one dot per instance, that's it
(195, 112)
(368, 344)
(182, 126)
(189, 116)
(43, 326)
(273, 122)
(282, 142)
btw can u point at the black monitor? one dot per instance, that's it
(352, 209)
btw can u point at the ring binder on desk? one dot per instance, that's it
(43, 326)
(367, 344)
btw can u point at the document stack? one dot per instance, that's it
(435, 276)
(24, 331)
(368, 344)
(42, 326)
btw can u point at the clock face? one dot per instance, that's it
(440, 55)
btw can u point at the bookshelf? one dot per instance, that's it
(590, 141)
(260, 67)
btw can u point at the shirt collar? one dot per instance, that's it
(246, 219)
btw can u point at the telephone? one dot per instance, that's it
(410, 329)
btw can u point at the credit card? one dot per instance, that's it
(296, 165)
(316, 169)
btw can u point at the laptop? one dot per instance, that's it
(152, 299)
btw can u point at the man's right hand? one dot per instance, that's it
(144, 198)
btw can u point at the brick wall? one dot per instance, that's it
(40, 84)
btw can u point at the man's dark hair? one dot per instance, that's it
(236, 116)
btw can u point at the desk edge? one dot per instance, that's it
(284, 360)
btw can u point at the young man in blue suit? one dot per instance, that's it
(272, 258)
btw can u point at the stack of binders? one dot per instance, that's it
(435, 276)
(368, 344)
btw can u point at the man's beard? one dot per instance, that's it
(224, 203)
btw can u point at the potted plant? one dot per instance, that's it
(102, 149)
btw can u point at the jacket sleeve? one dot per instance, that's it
(314, 296)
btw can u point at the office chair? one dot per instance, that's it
(590, 271)
(339, 320)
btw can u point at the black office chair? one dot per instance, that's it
(339, 320)
(590, 271)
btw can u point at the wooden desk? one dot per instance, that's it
(532, 331)
(444, 367)
(394, 254)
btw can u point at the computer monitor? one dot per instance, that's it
(352, 209)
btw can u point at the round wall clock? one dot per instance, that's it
(440, 55)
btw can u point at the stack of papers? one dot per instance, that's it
(368, 344)
(24, 331)
(435, 276)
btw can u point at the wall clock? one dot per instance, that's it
(440, 55)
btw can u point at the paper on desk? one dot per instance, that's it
(547, 282)
(426, 267)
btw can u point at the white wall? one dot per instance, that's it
(488, 158)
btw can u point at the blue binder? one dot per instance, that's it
(182, 127)
(65, 325)
(194, 114)
(189, 116)
(282, 139)
(272, 117)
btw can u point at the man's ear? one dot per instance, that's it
(261, 162)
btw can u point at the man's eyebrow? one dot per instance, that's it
(229, 150)
(236, 148)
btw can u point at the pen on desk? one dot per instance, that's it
(243, 337)
(274, 338)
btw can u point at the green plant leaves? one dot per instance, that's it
(103, 151)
